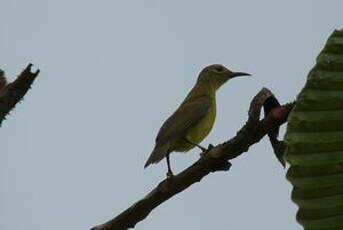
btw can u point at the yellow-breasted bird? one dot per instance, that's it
(194, 118)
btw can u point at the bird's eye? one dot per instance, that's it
(219, 69)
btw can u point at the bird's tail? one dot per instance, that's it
(157, 155)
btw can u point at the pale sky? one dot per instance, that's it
(111, 72)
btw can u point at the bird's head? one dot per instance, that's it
(217, 75)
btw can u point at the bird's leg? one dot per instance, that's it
(199, 146)
(169, 173)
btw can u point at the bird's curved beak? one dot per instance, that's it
(237, 74)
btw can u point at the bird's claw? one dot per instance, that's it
(170, 174)
(205, 151)
(210, 146)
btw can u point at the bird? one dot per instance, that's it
(194, 118)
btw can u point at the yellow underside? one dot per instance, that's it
(196, 133)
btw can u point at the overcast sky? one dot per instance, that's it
(72, 153)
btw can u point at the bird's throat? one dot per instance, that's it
(202, 89)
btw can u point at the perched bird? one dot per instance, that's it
(194, 118)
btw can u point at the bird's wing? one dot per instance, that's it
(186, 116)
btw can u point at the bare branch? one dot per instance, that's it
(216, 159)
(11, 94)
(279, 147)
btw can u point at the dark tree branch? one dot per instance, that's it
(12, 93)
(279, 147)
(216, 159)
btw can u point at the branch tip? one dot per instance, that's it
(12, 93)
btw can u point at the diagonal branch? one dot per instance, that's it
(12, 93)
(216, 159)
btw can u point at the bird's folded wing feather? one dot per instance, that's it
(187, 115)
